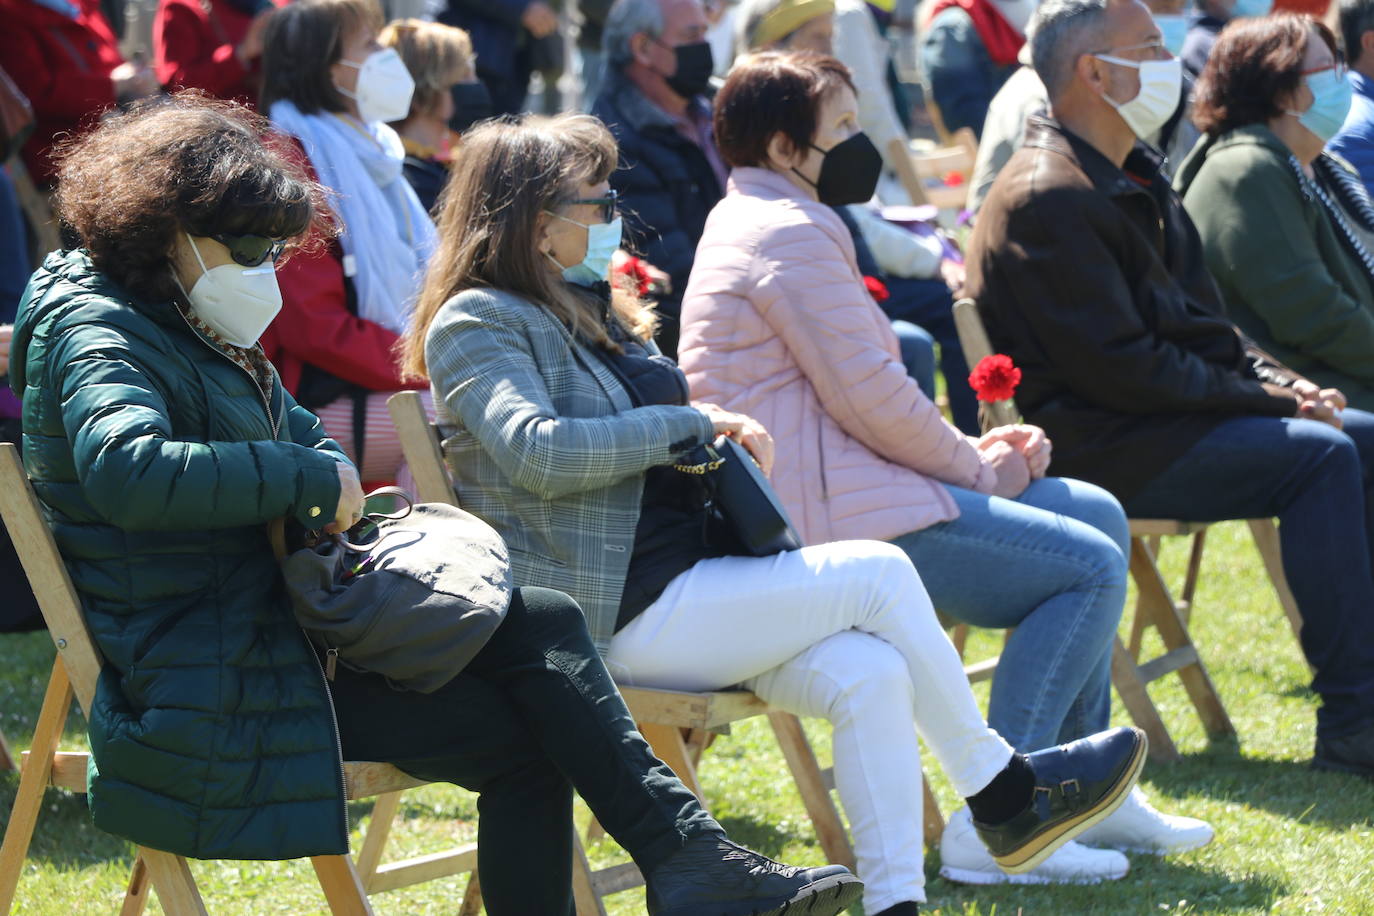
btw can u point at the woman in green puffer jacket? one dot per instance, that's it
(1285, 227)
(162, 445)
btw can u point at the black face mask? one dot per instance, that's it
(471, 103)
(695, 64)
(849, 172)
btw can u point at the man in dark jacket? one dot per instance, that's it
(1091, 277)
(658, 68)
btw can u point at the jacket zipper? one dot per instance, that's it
(324, 681)
(338, 741)
(272, 421)
(820, 456)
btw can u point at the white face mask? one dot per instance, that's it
(237, 302)
(384, 88)
(1161, 82)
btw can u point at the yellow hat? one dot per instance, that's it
(786, 18)
(886, 6)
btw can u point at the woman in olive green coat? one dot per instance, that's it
(1283, 224)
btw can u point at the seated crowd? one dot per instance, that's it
(1171, 243)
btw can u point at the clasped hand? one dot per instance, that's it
(1018, 453)
(747, 431)
(1316, 403)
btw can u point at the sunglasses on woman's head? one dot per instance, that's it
(251, 250)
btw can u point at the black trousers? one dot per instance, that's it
(533, 717)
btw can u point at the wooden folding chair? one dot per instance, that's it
(6, 758)
(1155, 605)
(74, 674)
(663, 715)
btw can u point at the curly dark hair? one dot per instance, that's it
(1254, 61)
(185, 163)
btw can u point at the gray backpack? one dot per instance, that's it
(414, 600)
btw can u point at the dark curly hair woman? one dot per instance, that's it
(162, 445)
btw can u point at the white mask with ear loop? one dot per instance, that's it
(1161, 85)
(384, 89)
(237, 302)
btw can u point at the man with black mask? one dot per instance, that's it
(655, 99)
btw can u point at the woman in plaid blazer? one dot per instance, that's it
(563, 422)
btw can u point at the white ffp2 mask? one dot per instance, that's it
(384, 89)
(238, 303)
(1161, 85)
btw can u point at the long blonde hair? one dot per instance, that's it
(507, 173)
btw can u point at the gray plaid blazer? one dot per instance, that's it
(545, 444)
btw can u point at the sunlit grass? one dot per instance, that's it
(1288, 840)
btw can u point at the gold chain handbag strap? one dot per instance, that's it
(713, 462)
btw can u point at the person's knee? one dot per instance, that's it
(1101, 509)
(869, 671)
(547, 607)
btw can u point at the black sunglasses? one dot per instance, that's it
(607, 204)
(251, 250)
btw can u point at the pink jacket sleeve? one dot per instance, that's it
(810, 295)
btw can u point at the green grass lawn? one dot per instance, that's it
(1288, 840)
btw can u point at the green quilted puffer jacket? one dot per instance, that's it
(159, 464)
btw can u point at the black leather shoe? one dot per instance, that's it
(711, 876)
(1076, 786)
(1352, 753)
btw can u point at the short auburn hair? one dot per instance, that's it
(773, 92)
(1254, 61)
(301, 42)
(438, 56)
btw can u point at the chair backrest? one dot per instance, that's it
(57, 597)
(935, 166)
(423, 451)
(973, 338)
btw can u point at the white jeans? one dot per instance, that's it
(846, 632)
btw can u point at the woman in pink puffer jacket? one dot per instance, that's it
(777, 324)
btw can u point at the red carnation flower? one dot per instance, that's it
(953, 179)
(876, 288)
(636, 277)
(995, 378)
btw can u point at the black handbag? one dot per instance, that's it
(412, 596)
(741, 499)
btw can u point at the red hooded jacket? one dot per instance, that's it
(195, 48)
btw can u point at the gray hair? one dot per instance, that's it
(1061, 32)
(627, 19)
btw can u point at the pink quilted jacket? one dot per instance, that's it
(777, 324)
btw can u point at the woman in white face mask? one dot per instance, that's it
(332, 87)
(1287, 228)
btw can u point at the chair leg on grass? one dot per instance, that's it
(384, 810)
(1266, 535)
(341, 885)
(472, 898)
(28, 801)
(806, 773)
(136, 897)
(585, 899)
(171, 878)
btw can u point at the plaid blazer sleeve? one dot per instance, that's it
(481, 359)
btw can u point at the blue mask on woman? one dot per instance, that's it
(595, 267)
(1247, 9)
(1331, 96)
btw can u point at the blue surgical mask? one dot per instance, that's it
(595, 267)
(1331, 97)
(1174, 30)
(1249, 9)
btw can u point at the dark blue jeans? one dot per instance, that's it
(1317, 480)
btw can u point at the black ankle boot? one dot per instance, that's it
(907, 908)
(1351, 753)
(711, 876)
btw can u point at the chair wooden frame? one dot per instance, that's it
(6, 758)
(1155, 605)
(74, 675)
(665, 718)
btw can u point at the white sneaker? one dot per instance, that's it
(964, 858)
(1138, 827)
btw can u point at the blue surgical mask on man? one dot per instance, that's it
(1331, 97)
(1250, 9)
(602, 241)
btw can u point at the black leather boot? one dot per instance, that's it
(1076, 786)
(1352, 753)
(711, 876)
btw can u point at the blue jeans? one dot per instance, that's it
(918, 354)
(1052, 564)
(1318, 481)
